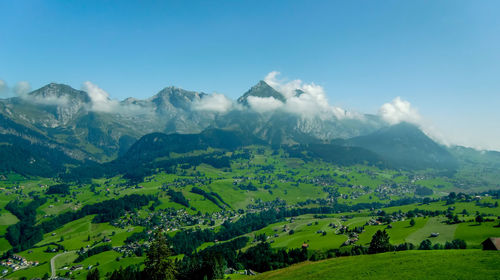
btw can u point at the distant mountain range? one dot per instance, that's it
(57, 124)
(67, 117)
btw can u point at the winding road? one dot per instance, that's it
(53, 263)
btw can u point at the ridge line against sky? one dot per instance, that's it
(439, 55)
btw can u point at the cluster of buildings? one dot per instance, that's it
(171, 220)
(131, 249)
(17, 262)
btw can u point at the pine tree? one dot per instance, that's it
(157, 264)
(425, 245)
(479, 219)
(93, 274)
(380, 243)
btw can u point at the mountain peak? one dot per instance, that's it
(54, 90)
(263, 90)
(175, 91)
(173, 97)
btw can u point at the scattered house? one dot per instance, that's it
(434, 234)
(492, 243)
(250, 272)
(230, 270)
(76, 267)
(305, 245)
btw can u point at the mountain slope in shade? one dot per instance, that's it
(156, 145)
(405, 145)
(26, 158)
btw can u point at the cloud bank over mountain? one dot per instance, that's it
(305, 99)
(100, 101)
(399, 110)
(264, 104)
(215, 102)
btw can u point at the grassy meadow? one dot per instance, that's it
(450, 264)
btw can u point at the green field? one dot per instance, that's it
(449, 264)
(277, 180)
(400, 232)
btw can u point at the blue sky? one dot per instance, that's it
(441, 56)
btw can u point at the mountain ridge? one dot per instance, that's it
(69, 124)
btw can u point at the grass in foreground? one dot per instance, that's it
(442, 264)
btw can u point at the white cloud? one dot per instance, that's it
(215, 102)
(48, 100)
(101, 102)
(99, 99)
(4, 89)
(22, 88)
(399, 110)
(264, 104)
(307, 100)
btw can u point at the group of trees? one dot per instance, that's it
(262, 258)
(24, 234)
(423, 191)
(380, 244)
(247, 187)
(58, 189)
(178, 197)
(426, 244)
(209, 263)
(157, 265)
(212, 196)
